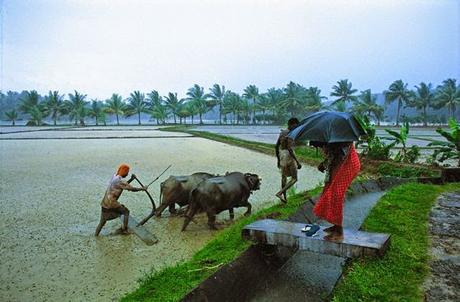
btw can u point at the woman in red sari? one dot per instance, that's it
(342, 166)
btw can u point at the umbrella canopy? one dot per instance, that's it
(328, 127)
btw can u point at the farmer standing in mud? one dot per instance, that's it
(110, 207)
(342, 166)
(287, 161)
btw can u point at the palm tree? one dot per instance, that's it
(245, 110)
(173, 103)
(217, 95)
(183, 113)
(263, 104)
(11, 116)
(276, 97)
(252, 93)
(115, 105)
(55, 105)
(36, 116)
(154, 100)
(31, 105)
(76, 107)
(192, 108)
(160, 113)
(233, 104)
(29, 101)
(97, 111)
(397, 92)
(422, 98)
(344, 93)
(448, 94)
(314, 100)
(197, 96)
(340, 106)
(294, 98)
(367, 104)
(136, 105)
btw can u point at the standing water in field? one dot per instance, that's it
(51, 191)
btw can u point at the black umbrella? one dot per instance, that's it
(328, 127)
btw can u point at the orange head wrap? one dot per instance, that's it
(123, 170)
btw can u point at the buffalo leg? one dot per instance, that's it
(189, 216)
(211, 219)
(248, 211)
(160, 209)
(172, 209)
(232, 214)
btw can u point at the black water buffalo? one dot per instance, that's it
(221, 193)
(176, 189)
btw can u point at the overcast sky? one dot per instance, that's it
(100, 47)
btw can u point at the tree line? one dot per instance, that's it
(251, 107)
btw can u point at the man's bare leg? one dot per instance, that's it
(100, 225)
(285, 188)
(280, 194)
(105, 216)
(124, 229)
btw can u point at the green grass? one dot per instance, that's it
(398, 276)
(172, 283)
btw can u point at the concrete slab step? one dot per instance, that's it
(289, 234)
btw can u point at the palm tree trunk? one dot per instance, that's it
(397, 114)
(424, 117)
(14, 123)
(97, 123)
(54, 119)
(139, 118)
(201, 121)
(220, 113)
(192, 118)
(175, 122)
(118, 121)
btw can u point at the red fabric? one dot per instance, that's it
(330, 204)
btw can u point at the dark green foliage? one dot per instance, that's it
(451, 148)
(375, 148)
(391, 169)
(413, 154)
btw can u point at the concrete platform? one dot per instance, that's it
(288, 234)
(140, 231)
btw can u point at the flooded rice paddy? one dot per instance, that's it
(420, 137)
(50, 205)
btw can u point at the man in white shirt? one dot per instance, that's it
(110, 207)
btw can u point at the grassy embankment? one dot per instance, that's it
(398, 276)
(172, 283)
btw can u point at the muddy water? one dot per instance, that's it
(50, 192)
